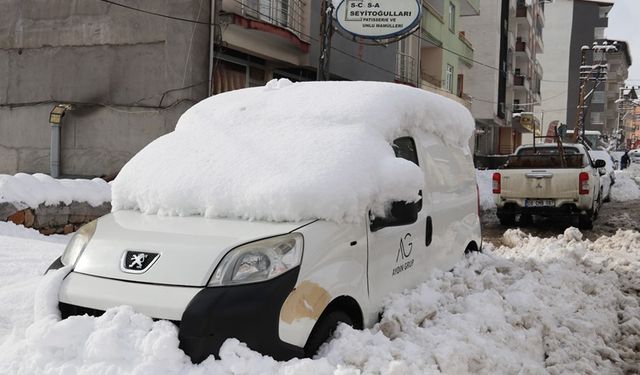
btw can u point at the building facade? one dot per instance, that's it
(570, 25)
(127, 75)
(508, 40)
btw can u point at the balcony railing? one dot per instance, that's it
(288, 14)
(406, 70)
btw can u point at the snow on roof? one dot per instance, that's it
(288, 152)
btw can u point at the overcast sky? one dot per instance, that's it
(623, 25)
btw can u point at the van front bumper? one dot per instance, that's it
(206, 317)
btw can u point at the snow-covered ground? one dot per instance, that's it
(626, 187)
(535, 306)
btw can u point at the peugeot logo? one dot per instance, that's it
(134, 261)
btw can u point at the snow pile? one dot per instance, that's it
(25, 190)
(626, 186)
(485, 187)
(288, 152)
(12, 230)
(537, 306)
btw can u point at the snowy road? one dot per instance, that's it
(532, 306)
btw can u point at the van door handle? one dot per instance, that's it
(429, 232)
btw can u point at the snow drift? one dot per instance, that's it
(288, 152)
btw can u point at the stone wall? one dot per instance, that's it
(54, 219)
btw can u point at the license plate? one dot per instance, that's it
(539, 203)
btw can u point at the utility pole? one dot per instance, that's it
(326, 33)
(596, 73)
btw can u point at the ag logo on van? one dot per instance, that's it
(134, 261)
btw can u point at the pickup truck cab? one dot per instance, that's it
(549, 180)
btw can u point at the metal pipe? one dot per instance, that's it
(54, 151)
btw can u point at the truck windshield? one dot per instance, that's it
(545, 157)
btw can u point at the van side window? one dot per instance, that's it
(405, 148)
(401, 213)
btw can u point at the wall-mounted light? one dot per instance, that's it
(57, 113)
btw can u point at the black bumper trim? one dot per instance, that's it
(250, 313)
(57, 264)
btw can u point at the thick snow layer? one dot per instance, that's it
(288, 152)
(536, 306)
(26, 190)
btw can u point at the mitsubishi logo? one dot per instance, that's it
(134, 261)
(539, 186)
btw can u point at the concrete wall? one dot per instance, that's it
(480, 81)
(115, 64)
(555, 61)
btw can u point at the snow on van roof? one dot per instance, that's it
(289, 152)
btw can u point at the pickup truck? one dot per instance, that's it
(549, 180)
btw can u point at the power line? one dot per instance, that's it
(156, 13)
(257, 11)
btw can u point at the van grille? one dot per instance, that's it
(67, 310)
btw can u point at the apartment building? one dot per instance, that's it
(602, 110)
(570, 25)
(508, 39)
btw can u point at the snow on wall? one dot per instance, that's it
(28, 190)
(288, 152)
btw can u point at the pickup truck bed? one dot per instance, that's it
(549, 182)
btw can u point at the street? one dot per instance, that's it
(613, 216)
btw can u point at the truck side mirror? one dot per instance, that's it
(599, 163)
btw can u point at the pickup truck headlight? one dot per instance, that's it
(259, 261)
(78, 242)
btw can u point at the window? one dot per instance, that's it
(405, 148)
(598, 97)
(401, 213)
(448, 83)
(452, 17)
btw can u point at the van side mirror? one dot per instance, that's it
(599, 163)
(402, 213)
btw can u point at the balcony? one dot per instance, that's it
(469, 7)
(465, 49)
(285, 14)
(523, 15)
(522, 49)
(406, 70)
(520, 82)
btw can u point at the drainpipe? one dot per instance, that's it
(54, 158)
(55, 119)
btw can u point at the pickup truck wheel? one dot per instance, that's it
(585, 221)
(507, 219)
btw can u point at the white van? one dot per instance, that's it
(272, 214)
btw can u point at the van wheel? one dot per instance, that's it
(324, 329)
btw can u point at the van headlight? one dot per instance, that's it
(78, 242)
(259, 261)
